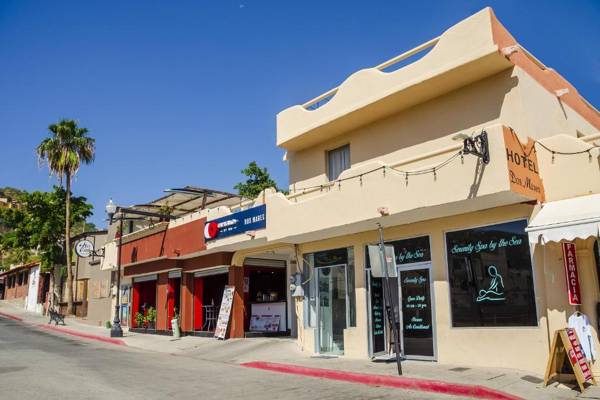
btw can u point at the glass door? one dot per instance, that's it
(331, 283)
(417, 321)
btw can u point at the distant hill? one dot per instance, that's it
(9, 195)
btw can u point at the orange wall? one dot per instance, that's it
(179, 240)
(548, 78)
(161, 301)
(187, 302)
(142, 249)
(236, 278)
(185, 239)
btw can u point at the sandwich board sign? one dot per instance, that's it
(566, 348)
(224, 313)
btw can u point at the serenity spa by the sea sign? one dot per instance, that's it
(491, 279)
(491, 245)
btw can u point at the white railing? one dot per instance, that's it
(322, 99)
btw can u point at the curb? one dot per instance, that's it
(67, 331)
(10, 316)
(424, 385)
(84, 335)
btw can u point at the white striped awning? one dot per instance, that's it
(570, 219)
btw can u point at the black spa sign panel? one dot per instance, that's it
(413, 250)
(491, 277)
(378, 324)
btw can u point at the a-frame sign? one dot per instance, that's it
(565, 346)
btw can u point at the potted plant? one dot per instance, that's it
(151, 318)
(165, 209)
(175, 325)
(140, 320)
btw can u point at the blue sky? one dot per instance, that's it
(186, 92)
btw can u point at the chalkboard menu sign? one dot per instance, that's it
(224, 312)
(416, 312)
(377, 316)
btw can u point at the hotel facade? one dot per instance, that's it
(477, 160)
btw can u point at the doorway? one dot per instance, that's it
(331, 310)
(417, 313)
(208, 293)
(173, 300)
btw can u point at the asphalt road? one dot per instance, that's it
(37, 364)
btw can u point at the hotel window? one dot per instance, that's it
(338, 160)
(491, 278)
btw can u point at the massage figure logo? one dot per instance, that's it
(496, 290)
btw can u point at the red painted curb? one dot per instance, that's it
(10, 316)
(90, 336)
(425, 385)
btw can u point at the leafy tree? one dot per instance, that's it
(258, 180)
(67, 147)
(76, 229)
(36, 228)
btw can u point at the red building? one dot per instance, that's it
(172, 272)
(26, 283)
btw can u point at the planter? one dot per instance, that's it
(175, 327)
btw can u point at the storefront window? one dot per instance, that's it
(491, 279)
(343, 258)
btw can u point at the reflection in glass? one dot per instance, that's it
(332, 309)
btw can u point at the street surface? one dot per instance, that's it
(37, 364)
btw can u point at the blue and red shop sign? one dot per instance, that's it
(236, 223)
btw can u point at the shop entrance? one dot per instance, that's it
(173, 297)
(208, 293)
(331, 312)
(144, 297)
(266, 299)
(413, 288)
(417, 314)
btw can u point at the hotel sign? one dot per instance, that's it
(236, 223)
(570, 261)
(523, 168)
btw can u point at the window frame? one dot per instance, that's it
(533, 275)
(327, 161)
(312, 287)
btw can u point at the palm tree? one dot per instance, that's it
(64, 151)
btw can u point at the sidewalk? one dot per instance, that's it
(259, 351)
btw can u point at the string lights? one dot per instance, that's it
(475, 146)
(432, 170)
(553, 151)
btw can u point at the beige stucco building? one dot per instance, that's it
(387, 147)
